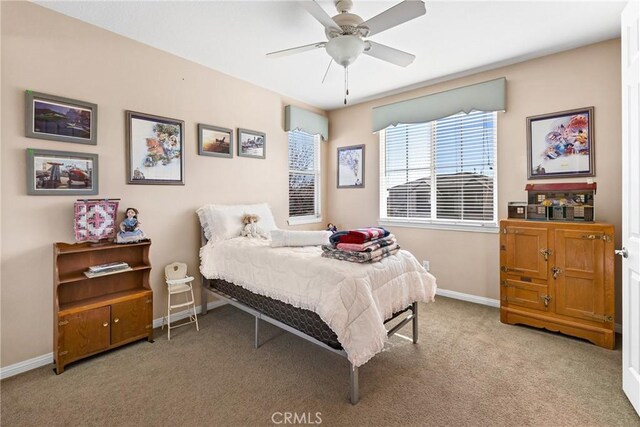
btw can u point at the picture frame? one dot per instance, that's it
(60, 119)
(561, 145)
(155, 149)
(215, 141)
(252, 143)
(61, 173)
(350, 164)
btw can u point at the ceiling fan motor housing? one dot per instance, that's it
(348, 22)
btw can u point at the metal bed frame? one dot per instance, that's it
(354, 393)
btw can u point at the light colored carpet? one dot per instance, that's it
(467, 369)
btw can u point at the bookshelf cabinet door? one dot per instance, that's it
(83, 333)
(129, 319)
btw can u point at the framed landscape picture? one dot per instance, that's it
(561, 145)
(252, 144)
(351, 167)
(215, 141)
(155, 149)
(60, 119)
(61, 173)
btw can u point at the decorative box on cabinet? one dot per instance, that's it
(559, 276)
(91, 315)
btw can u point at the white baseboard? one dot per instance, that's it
(47, 359)
(487, 301)
(468, 297)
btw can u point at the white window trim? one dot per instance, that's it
(317, 218)
(477, 227)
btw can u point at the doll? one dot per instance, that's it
(130, 231)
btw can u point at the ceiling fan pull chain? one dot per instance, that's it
(346, 89)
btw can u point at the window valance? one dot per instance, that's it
(486, 96)
(296, 118)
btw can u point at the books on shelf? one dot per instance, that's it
(110, 268)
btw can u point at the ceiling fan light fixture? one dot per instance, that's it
(345, 49)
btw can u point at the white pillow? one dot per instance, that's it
(222, 222)
(299, 238)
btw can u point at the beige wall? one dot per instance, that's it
(51, 53)
(469, 262)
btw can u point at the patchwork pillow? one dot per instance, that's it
(222, 222)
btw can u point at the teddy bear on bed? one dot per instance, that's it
(251, 227)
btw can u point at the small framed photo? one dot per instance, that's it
(61, 173)
(561, 145)
(351, 166)
(215, 141)
(155, 153)
(252, 144)
(60, 119)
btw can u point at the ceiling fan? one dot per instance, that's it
(346, 33)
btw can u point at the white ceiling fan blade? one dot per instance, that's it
(294, 50)
(398, 14)
(319, 13)
(389, 54)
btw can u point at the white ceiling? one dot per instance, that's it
(453, 38)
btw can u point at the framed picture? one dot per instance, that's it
(351, 166)
(561, 145)
(60, 119)
(252, 144)
(155, 154)
(61, 173)
(215, 141)
(95, 219)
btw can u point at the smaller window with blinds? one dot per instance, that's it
(440, 173)
(304, 177)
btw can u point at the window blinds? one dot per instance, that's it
(443, 171)
(304, 174)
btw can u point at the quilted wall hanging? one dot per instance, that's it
(95, 219)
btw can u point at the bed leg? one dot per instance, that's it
(415, 322)
(257, 339)
(203, 297)
(354, 393)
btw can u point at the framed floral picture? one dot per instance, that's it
(561, 145)
(60, 119)
(61, 173)
(215, 141)
(252, 144)
(351, 167)
(155, 149)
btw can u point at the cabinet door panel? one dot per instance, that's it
(526, 293)
(579, 285)
(525, 251)
(129, 319)
(83, 333)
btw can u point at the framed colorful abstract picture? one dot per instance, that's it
(60, 119)
(561, 145)
(351, 167)
(155, 149)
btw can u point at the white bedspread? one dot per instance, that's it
(353, 299)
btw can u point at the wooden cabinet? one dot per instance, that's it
(559, 276)
(91, 315)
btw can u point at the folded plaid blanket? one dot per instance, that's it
(369, 246)
(360, 257)
(358, 235)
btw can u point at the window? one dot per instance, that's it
(304, 177)
(441, 173)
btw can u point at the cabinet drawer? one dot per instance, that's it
(83, 333)
(530, 293)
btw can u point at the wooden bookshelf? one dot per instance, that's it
(91, 315)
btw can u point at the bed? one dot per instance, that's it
(340, 306)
